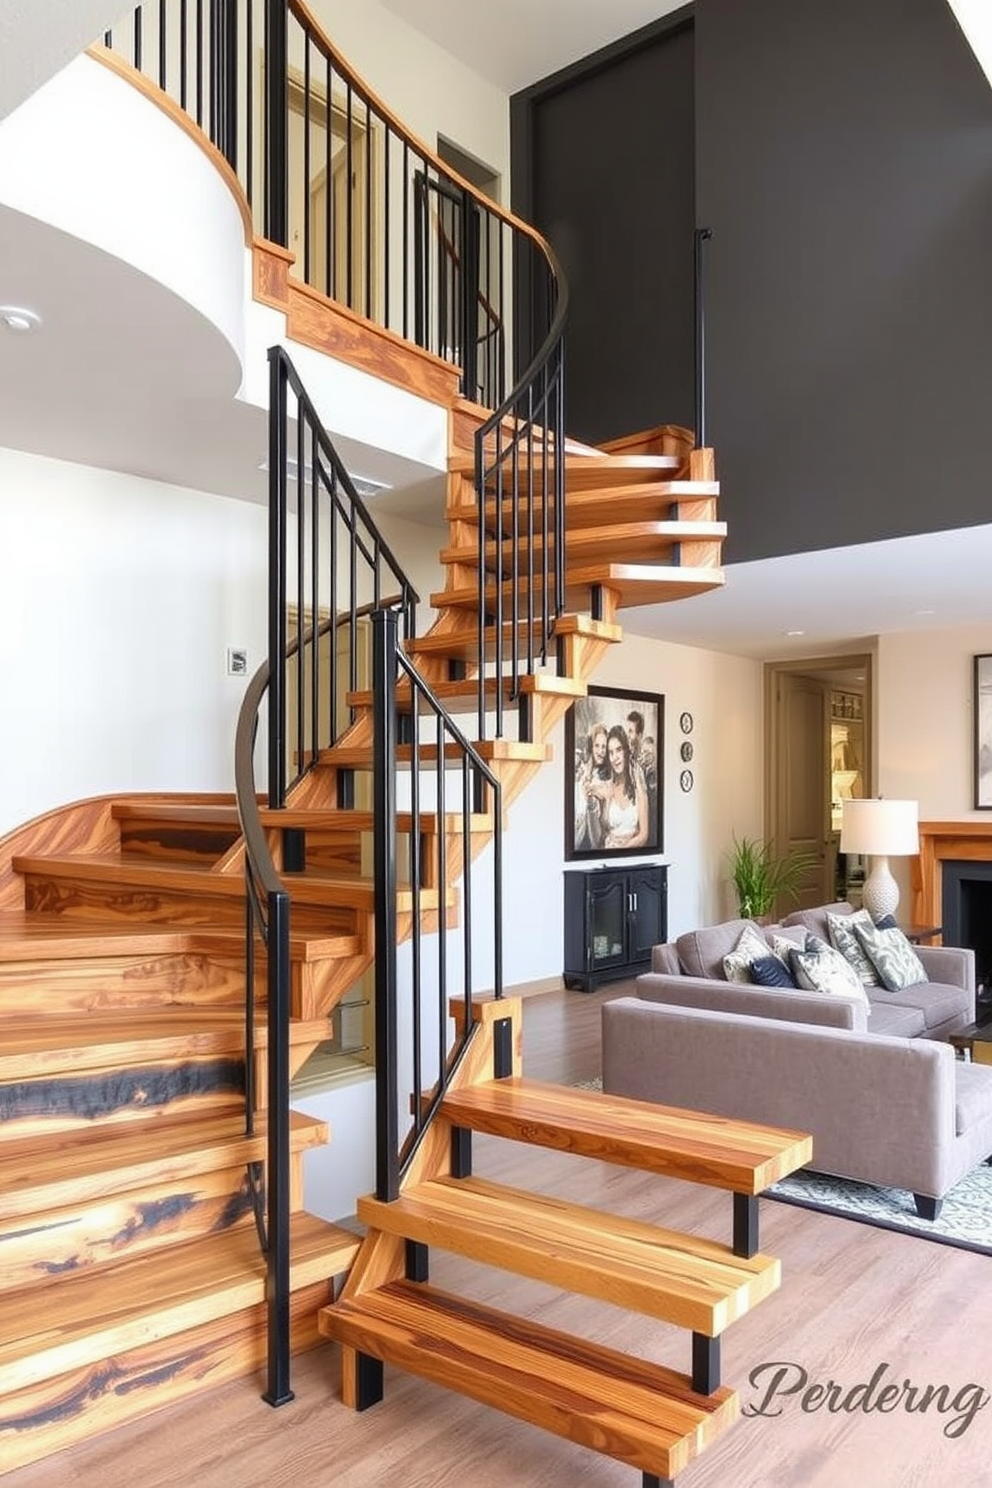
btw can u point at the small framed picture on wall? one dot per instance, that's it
(983, 733)
(613, 774)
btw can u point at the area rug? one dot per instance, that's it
(965, 1217)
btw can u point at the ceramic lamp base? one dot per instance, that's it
(880, 895)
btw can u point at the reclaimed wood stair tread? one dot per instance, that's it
(742, 1156)
(72, 1167)
(584, 472)
(682, 1279)
(620, 540)
(110, 1308)
(463, 644)
(42, 1046)
(626, 1408)
(647, 501)
(306, 888)
(35, 935)
(633, 583)
(359, 756)
(463, 695)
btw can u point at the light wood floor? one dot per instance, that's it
(852, 1298)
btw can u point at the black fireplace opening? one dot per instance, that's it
(966, 913)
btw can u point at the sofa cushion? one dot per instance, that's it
(895, 1018)
(893, 957)
(751, 946)
(771, 971)
(821, 968)
(815, 920)
(942, 1006)
(701, 952)
(841, 929)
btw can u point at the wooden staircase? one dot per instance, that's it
(129, 1260)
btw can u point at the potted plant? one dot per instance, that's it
(761, 878)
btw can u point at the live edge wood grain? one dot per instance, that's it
(626, 1408)
(714, 1150)
(692, 1282)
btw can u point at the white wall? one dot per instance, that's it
(118, 600)
(426, 87)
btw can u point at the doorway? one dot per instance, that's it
(818, 714)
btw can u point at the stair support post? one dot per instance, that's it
(745, 1241)
(384, 848)
(705, 1364)
(278, 1390)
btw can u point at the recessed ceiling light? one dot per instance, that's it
(16, 318)
(925, 612)
(795, 632)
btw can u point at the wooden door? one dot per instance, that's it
(802, 796)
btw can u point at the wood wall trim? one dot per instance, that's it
(942, 841)
(321, 323)
(179, 116)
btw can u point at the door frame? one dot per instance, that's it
(775, 734)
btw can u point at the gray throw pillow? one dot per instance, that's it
(892, 956)
(750, 946)
(821, 968)
(841, 928)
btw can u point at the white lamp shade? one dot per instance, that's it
(880, 828)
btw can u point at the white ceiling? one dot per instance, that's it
(124, 410)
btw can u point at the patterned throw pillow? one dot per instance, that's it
(750, 946)
(893, 957)
(821, 968)
(771, 971)
(841, 929)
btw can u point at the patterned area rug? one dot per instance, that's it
(965, 1218)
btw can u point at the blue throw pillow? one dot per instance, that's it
(887, 922)
(771, 971)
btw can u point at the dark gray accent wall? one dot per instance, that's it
(603, 164)
(844, 163)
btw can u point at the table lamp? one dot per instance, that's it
(881, 829)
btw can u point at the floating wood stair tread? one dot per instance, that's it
(634, 583)
(586, 472)
(463, 696)
(619, 540)
(359, 756)
(651, 501)
(107, 1309)
(738, 1155)
(42, 1046)
(33, 935)
(463, 644)
(306, 888)
(627, 1408)
(691, 1282)
(75, 1167)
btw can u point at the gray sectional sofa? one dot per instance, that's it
(884, 1097)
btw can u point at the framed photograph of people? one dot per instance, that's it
(614, 758)
(983, 733)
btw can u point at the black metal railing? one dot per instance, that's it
(377, 221)
(453, 789)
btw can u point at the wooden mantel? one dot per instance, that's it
(939, 842)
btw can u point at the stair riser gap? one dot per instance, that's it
(177, 844)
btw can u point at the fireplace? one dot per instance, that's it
(952, 886)
(966, 899)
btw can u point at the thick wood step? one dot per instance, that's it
(738, 1155)
(463, 696)
(682, 1279)
(633, 583)
(176, 833)
(72, 1168)
(359, 756)
(681, 500)
(646, 541)
(626, 1408)
(93, 1315)
(463, 644)
(32, 1047)
(193, 895)
(586, 472)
